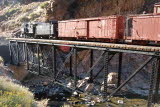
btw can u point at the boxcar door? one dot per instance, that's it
(109, 28)
(95, 29)
(81, 29)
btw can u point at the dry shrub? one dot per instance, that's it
(26, 9)
(11, 11)
(24, 19)
(44, 5)
(33, 16)
(13, 95)
(1, 60)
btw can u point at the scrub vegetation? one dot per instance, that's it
(14, 95)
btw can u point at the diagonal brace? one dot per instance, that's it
(131, 76)
(102, 68)
(97, 61)
(68, 57)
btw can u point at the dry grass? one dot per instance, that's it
(14, 95)
(1, 61)
(12, 16)
(33, 16)
(44, 5)
(24, 19)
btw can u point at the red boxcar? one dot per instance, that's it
(111, 27)
(144, 27)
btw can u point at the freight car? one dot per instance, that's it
(144, 27)
(100, 28)
(138, 29)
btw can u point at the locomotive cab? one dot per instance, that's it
(27, 30)
(157, 8)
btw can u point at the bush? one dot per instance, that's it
(1, 60)
(44, 5)
(26, 9)
(24, 19)
(3, 17)
(11, 11)
(13, 95)
(33, 16)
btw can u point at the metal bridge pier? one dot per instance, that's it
(91, 64)
(32, 52)
(38, 56)
(17, 53)
(75, 68)
(27, 56)
(106, 72)
(70, 66)
(54, 71)
(152, 82)
(10, 52)
(156, 94)
(119, 69)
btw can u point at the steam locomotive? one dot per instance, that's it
(38, 30)
(142, 28)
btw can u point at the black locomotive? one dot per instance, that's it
(39, 30)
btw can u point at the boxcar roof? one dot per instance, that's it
(157, 3)
(92, 18)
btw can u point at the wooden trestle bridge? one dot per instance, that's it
(22, 49)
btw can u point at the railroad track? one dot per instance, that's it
(90, 44)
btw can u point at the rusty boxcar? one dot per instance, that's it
(144, 28)
(111, 27)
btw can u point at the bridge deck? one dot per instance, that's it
(149, 50)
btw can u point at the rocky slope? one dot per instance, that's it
(67, 9)
(13, 15)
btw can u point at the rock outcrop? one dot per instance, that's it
(70, 9)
